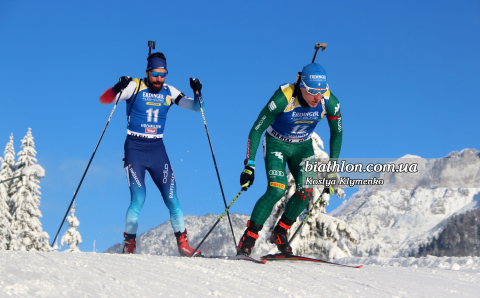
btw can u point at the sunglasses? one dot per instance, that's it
(158, 74)
(314, 91)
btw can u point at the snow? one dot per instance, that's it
(35, 170)
(57, 274)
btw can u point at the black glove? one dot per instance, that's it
(122, 84)
(247, 176)
(329, 190)
(196, 85)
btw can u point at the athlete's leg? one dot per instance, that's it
(162, 175)
(299, 201)
(135, 168)
(276, 154)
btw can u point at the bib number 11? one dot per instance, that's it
(151, 112)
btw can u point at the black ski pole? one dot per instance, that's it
(318, 46)
(91, 158)
(216, 223)
(11, 178)
(305, 219)
(199, 96)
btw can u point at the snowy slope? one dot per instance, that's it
(60, 274)
(161, 241)
(396, 219)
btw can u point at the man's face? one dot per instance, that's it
(155, 83)
(312, 100)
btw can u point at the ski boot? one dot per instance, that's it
(280, 235)
(183, 248)
(129, 244)
(247, 242)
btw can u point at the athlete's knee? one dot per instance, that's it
(304, 194)
(272, 196)
(175, 211)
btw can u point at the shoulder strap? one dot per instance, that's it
(136, 93)
(297, 85)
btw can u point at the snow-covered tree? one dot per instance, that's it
(7, 165)
(72, 237)
(6, 171)
(322, 236)
(55, 247)
(5, 218)
(27, 231)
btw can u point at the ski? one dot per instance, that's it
(239, 257)
(290, 257)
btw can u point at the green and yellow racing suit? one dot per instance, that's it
(289, 122)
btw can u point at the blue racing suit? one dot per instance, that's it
(144, 149)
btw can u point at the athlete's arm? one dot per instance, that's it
(110, 96)
(186, 102)
(275, 106)
(335, 122)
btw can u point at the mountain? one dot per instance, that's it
(395, 219)
(461, 237)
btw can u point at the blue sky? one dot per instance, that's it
(406, 74)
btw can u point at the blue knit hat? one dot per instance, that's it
(314, 76)
(156, 62)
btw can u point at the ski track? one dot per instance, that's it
(27, 274)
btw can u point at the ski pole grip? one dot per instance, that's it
(322, 46)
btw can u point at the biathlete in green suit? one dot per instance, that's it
(290, 118)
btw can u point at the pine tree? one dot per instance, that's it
(322, 236)
(55, 247)
(459, 238)
(6, 170)
(72, 237)
(5, 218)
(27, 230)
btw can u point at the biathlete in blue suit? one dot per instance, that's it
(148, 102)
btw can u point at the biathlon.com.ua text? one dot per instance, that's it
(343, 167)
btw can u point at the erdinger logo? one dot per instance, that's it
(151, 95)
(318, 77)
(306, 114)
(150, 130)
